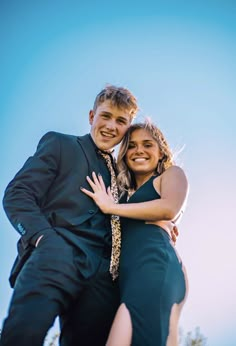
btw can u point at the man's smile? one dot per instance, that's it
(106, 134)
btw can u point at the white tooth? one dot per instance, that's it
(140, 159)
(107, 134)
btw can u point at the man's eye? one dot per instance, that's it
(121, 121)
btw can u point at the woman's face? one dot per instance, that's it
(143, 153)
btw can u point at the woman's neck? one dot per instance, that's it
(142, 178)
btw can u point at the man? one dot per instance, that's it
(65, 246)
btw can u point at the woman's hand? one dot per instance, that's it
(101, 196)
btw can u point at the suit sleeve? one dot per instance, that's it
(23, 196)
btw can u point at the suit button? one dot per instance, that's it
(91, 211)
(21, 229)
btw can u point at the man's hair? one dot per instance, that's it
(119, 97)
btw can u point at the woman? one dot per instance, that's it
(151, 276)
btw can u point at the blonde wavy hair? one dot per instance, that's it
(125, 177)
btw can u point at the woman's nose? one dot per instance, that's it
(139, 149)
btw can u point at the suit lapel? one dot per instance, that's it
(95, 163)
(89, 150)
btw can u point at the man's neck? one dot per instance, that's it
(108, 151)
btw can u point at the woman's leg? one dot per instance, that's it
(172, 339)
(121, 330)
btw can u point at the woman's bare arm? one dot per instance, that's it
(174, 190)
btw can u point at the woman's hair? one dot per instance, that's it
(125, 177)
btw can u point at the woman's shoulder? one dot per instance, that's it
(172, 171)
(176, 175)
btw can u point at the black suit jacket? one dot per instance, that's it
(45, 193)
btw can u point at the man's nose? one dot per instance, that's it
(111, 124)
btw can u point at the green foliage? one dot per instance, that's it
(54, 340)
(195, 338)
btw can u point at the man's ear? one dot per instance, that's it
(91, 116)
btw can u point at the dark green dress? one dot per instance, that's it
(151, 276)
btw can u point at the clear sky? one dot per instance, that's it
(178, 58)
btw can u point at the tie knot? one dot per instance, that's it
(106, 152)
(108, 158)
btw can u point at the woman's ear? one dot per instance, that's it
(160, 163)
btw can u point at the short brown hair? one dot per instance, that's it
(119, 97)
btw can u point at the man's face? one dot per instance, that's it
(108, 125)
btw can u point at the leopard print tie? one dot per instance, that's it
(115, 220)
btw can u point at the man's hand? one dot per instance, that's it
(169, 226)
(174, 233)
(38, 240)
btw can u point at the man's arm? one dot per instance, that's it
(169, 226)
(25, 193)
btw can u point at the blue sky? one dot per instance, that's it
(178, 58)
